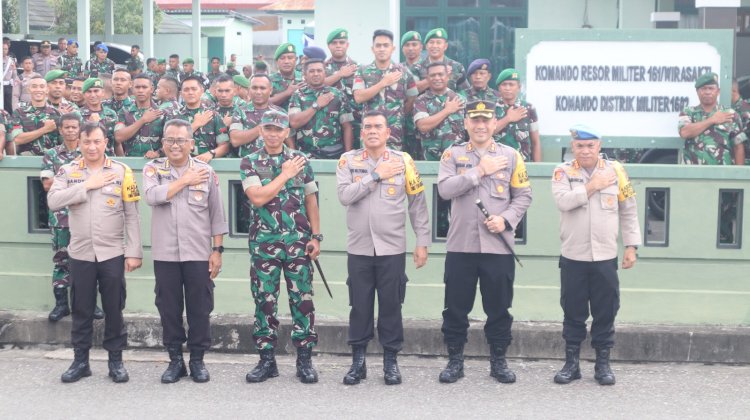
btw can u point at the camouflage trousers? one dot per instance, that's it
(267, 260)
(61, 270)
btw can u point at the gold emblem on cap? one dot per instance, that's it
(716, 78)
(484, 67)
(480, 106)
(415, 36)
(343, 33)
(439, 33)
(515, 75)
(290, 48)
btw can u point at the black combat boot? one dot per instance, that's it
(61, 308)
(98, 313)
(455, 369)
(176, 368)
(602, 372)
(305, 370)
(499, 366)
(266, 367)
(116, 368)
(358, 371)
(79, 368)
(391, 374)
(572, 370)
(198, 370)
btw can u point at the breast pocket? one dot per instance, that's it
(500, 185)
(112, 197)
(198, 196)
(392, 188)
(608, 198)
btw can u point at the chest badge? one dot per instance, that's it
(500, 188)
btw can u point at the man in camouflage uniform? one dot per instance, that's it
(711, 131)
(35, 124)
(134, 64)
(742, 107)
(231, 70)
(167, 89)
(100, 64)
(226, 104)
(76, 91)
(209, 142)
(121, 84)
(479, 76)
(411, 47)
(140, 125)
(436, 43)
(54, 159)
(321, 116)
(387, 87)
(69, 61)
(517, 122)
(93, 110)
(438, 115)
(284, 236)
(340, 71)
(44, 60)
(188, 70)
(287, 79)
(5, 128)
(174, 67)
(244, 132)
(215, 69)
(242, 86)
(55, 91)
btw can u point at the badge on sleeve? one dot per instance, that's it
(129, 187)
(149, 171)
(446, 155)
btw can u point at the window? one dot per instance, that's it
(239, 210)
(441, 216)
(38, 215)
(729, 232)
(657, 217)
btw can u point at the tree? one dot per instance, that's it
(128, 16)
(10, 16)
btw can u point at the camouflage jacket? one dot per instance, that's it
(322, 136)
(517, 134)
(6, 124)
(226, 113)
(64, 101)
(207, 137)
(247, 118)
(109, 118)
(285, 215)
(449, 132)
(29, 118)
(345, 85)
(279, 84)
(116, 105)
(133, 64)
(713, 146)
(148, 138)
(391, 100)
(457, 80)
(182, 76)
(94, 68)
(172, 73)
(472, 94)
(742, 107)
(52, 161)
(73, 65)
(212, 76)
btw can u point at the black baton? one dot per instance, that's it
(320, 270)
(486, 214)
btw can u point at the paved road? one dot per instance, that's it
(30, 388)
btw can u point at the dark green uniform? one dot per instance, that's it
(247, 118)
(742, 107)
(29, 118)
(71, 64)
(713, 146)
(346, 86)
(207, 137)
(449, 132)
(457, 76)
(279, 84)
(95, 68)
(518, 134)
(322, 136)
(410, 142)
(148, 138)
(109, 119)
(116, 104)
(134, 63)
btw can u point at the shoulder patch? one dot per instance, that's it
(446, 155)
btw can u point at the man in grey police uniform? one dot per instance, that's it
(187, 214)
(374, 184)
(495, 174)
(102, 200)
(596, 200)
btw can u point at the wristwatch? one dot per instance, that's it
(375, 176)
(318, 237)
(315, 106)
(219, 249)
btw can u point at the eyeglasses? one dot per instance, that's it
(171, 141)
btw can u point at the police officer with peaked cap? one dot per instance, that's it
(596, 202)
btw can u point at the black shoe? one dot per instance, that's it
(358, 371)
(117, 370)
(61, 308)
(198, 370)
(602, 372)
(79, 368)
(98, 313)
(572, 370)
(391, 374)
(455, 369)
(176, 368)
(266, 367)
(499, 366)
(305, 370)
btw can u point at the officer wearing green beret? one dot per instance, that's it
(517, 122)
(411, 47)
(712, 132)
(56, 91)
(287, 79)
(188, 70)
(340, 70)
(93, 110)
(436, 43)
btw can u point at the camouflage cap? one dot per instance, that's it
(478, 64)
(338, 33)
(275, 118)
(284, 48)
(507, 74)
(241, 80)
(188, 61)
(707, 79)
(410, 36)
(93, 82)
(584, 132)
(55, 74)
(484, 109)
(437, 33)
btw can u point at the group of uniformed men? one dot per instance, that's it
(276, 124)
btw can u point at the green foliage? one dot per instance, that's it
(128, 16)
(10, 16)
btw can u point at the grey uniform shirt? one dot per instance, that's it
(375, 214)
(101, 219)
(506, 192)
(589, 225)
(182, 227)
